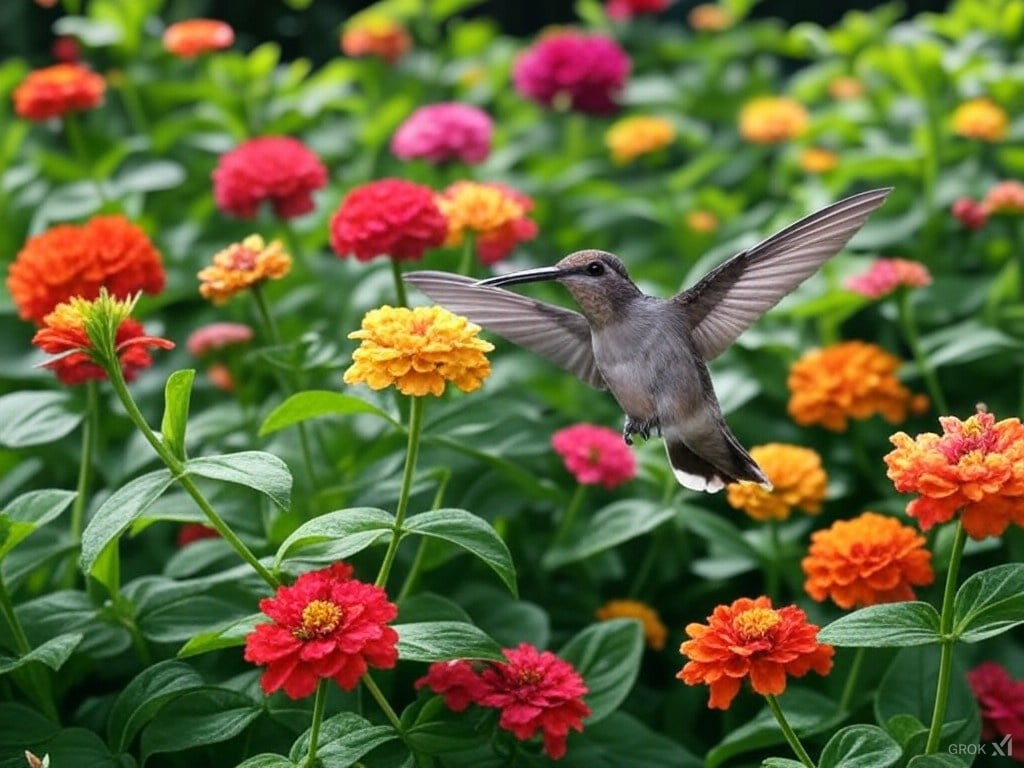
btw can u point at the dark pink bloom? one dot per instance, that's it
(216, 336)
(572, 69)
(279, 170)
(620, 10)
(886, 275)
(65, 49)
(1001, 700)
(595, 455)
(457, 681)
(442, 132)
(970, 213)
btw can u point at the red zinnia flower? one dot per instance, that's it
(388, 217)
(69, 260)
(571, 69)
(326, 625)
(970, 213)
(190, 532)
(275, 169)
(65, 49)
(1001, 701)
(620, 10)
(57, 90)
(750, 639)
(886, 275)
(457, 681)
(595, 455)
(194, 37)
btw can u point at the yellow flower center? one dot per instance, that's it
(755, 623)
(319, 619)
(530, 676)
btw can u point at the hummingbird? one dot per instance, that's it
(651, 353)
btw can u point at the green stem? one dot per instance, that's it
(644, 571)
(396, 272)
(572, 511)
(851, 680)
(133, 105)
(21, 643)
(319, 704)
(947, 641)
(468, 252)
(773, 576)
(421, 552)
(89, 425)
(909, 327)
(180, 472)
(76, 141)
(788, 732)
(38, 684)
(411, 451)
(382, 702)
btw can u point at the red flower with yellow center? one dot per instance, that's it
(976, 466)
(194, 37)
(55, 91)
(865, 561)
(325, 625)
(751, 640)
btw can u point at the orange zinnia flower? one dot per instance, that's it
(631, 137)
(709, 17)
(494, 214)
(797, 477)
(375, 35)
(846, 87)
(654, 630)
(850, 380)
(1005, 197)
(194, 37)
(70, 260)
(704, 222)
(976, 466)
(750, 639)
(57, 90)
(772, 120)
(868, 560)
(818, 160)
(241, 266)
(980, 119)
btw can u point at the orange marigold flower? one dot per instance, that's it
(241, 266)
(980, 119)
(631, 137)
(704, 222)
(976, 466)
(750, 639)
(886, 275)
(375, 35)
(709, 17)
(798, 481)
(494, 214)
(654, 630)
(850, 380)
(70, 260)
(55, 91)
(418, 351)
(846, 87)
(772, 120)
(1005, 197)
(194, 37)
(818, 160)
(865, 561)
(64, 333)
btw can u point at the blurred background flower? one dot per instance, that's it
(886, 275)
(773, 120)
(631, 137)
(374, 34)
(981, 119)
(194, 37)
(57, 90)
(278, 170)
(655, 631)
(439, 133)
(495, 216)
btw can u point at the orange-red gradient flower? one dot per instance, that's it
(55, 91)
(375, 35)
(241, 266)
(976, 466)
(1005, 197)
(654, 629)
(981, 119)
(494, 214)
(798, 481)
(772, 120)
(850, 380)
(70, 260)
(751, 640)
(194, 37)
(865, 561)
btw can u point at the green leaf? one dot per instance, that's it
(263, 472)
(445, 641)
(177, 393)
(28, 512)
(267, 760)
(145, 696)
(230, 636)
(989, 603)
(199, 717)
(344, 740)
(938, 760)
(315, 403)
(150, 175)
(616, 523)
(472, 533)
(890, 625)
(623, 740)
(120, 510)
(607, 655)
(860, 746)
(53, 653)
(348, 531)
(36, 418)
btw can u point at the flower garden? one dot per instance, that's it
(264, 503)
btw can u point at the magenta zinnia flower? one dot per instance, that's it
(886, 275)
(588, 71)
(442, 132)
(279, 170)
(1001, 700)
(595, 455)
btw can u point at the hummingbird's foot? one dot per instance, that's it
(642, 428)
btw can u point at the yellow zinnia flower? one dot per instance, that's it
(798, 481)
(818, 160)
(702, 221)
(417, 351)
(654, 630)
(709, 17)
(772, 120)
(631, 137)
(241, 266)
(980, 119)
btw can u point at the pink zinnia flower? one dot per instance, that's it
(1001, 701)
(1005, 197)
(442, 132)
(585, 72)
(595, 455)
(970, 213)
(279, 170)
(215, 336)
(457, 681)
(621, 10)
(886, 275)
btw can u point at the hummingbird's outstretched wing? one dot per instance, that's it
(730, 298)
(556, 334)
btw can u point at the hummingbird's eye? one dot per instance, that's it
(595, 268)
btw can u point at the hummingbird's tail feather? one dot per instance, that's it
(698, 474)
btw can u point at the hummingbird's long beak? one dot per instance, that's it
(524, 276)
